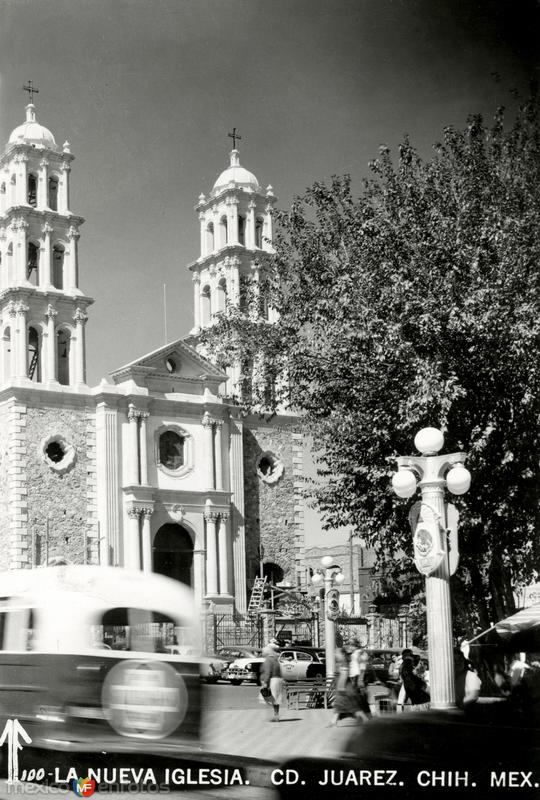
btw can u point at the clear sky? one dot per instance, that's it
(147, 90)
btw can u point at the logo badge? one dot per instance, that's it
(83, 787)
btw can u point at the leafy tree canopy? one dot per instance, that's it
(417, 304)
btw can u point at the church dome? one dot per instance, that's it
(31, 132)
(236, 174)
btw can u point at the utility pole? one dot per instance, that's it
(351, 567)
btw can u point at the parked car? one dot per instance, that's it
(211, 668)
(297, 663)
(231, 653)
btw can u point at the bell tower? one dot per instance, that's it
(42, 309)
(236, 230)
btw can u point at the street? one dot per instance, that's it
(221, 697)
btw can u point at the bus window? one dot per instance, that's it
(134, 629)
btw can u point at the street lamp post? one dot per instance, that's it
(433, 522)
(331, 574)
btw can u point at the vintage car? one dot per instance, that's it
(84, 663)
(297, 664)
(211, 668)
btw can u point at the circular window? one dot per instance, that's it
(269, 467)
(170, 363)
(171, 450)
(57, 453)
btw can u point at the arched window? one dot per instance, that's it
(13, 189)
(63, 346)
(32, 263)
(241, 230)
(171, 450)
(206, 310)
(259, 223)
(224, 237)
(53, 193)
(33, 359)
(58, 266)
(210, 237)
(222, 295)
(31, 190)
(173, 553)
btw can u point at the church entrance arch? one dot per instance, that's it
(173, 553)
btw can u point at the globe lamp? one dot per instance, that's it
(404, 483)
(458, 479)
(429, 441)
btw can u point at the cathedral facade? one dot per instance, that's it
(155, 468)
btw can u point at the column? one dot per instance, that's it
(143, 449)
(80, 321)
(133, 447)
(235, 281)
(197, 300)
(211, 553)
(72, 271)
(217, 232)
(236, 471)
(63, 199)
(132, 543)
(146, 540)
(43, 184)
(268, 227)
(223, 551)
(22, 254)
(45, 257)
(439, 614)
(208, 432)
(218, 457)
(49, 361)
(250, 225)
(232, 226)
(22, 179)
(202, 222)
(108, 482)
(12, 312)
(21, 368)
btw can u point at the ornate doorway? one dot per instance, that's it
(173, 553)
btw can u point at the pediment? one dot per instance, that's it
(176, 362)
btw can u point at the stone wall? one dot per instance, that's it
(273, 510)
(62, 502)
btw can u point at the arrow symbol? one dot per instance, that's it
(13, 730)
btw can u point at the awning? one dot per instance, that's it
(520, 632)
(526, 620)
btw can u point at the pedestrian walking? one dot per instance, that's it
(272, 684)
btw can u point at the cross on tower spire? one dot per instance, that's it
(30, 88)
(234, 136)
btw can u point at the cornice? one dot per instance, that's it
(14, 148)
(230, 251)
(54, 218)
(57, 298)
(231, 191)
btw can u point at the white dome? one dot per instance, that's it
(236, 174)
(31, 132)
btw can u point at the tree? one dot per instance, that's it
(416, 304)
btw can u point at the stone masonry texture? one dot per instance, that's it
(271, 519)
(61, 498)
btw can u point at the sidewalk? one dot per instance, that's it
(249, 733)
